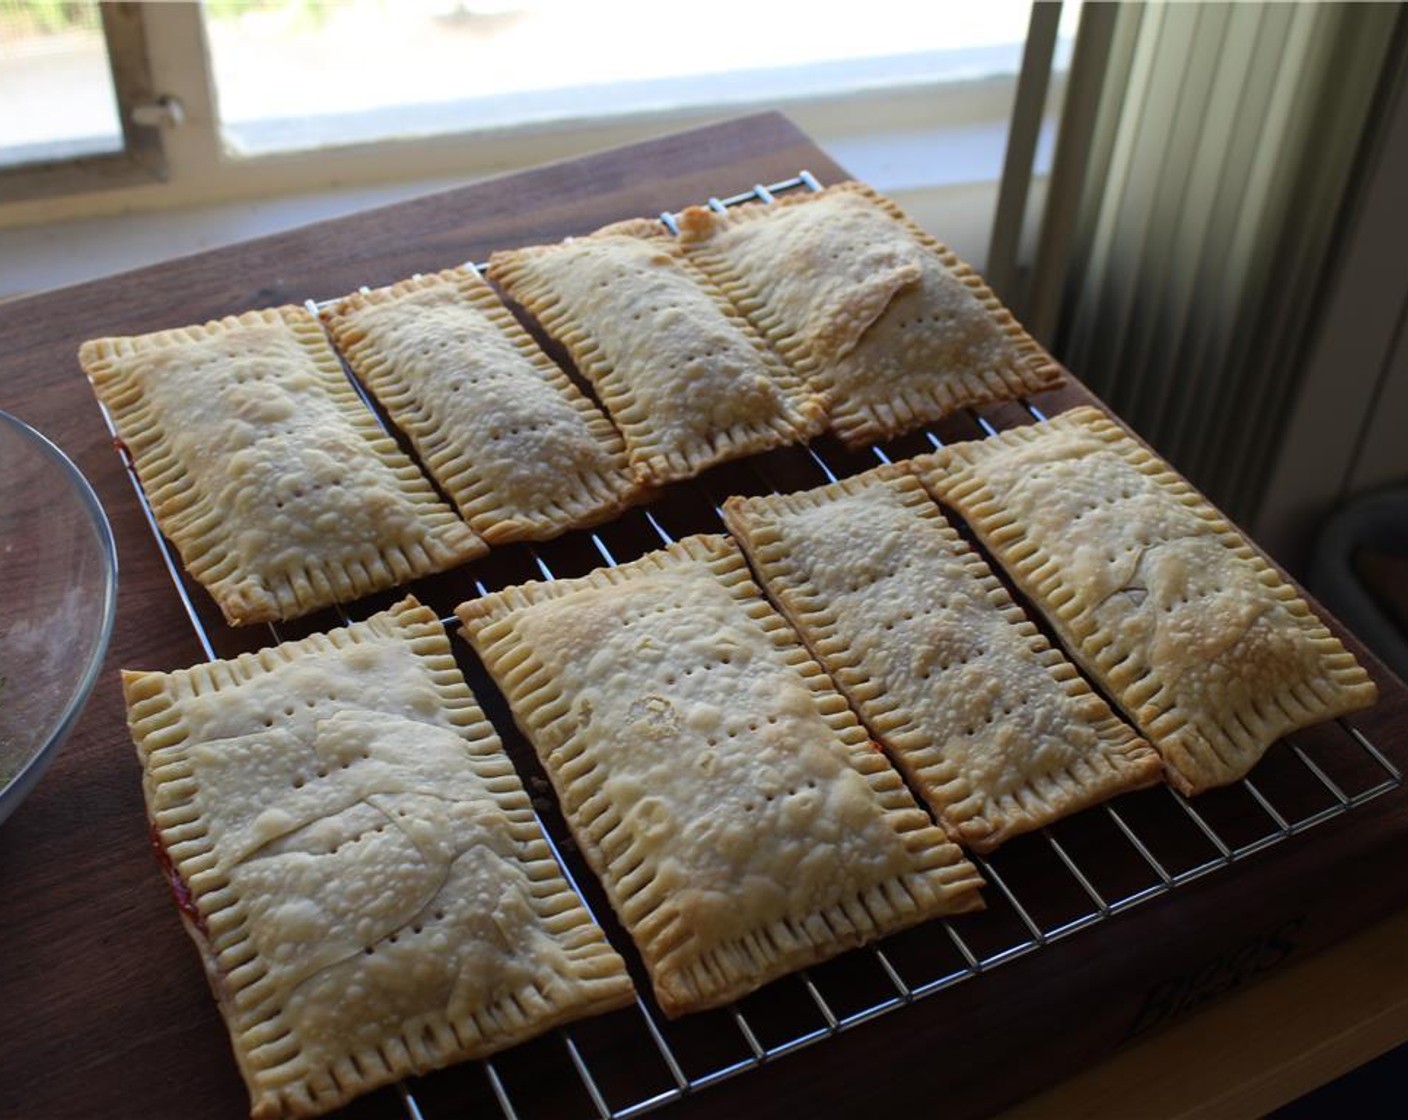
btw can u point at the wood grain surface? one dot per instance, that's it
(103, 1008)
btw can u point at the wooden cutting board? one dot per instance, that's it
(103, 1009)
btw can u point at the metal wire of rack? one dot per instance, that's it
(1044, 887)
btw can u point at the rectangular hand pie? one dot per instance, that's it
(995, 729)
(741, 820)
(358, 864)
(686, 378)
(1186, 626)
(521, 450)
(264, 468)
(881, 319)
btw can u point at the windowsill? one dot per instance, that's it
(17, 155)
(945, 176)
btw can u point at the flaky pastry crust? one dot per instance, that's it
(357, 863)
(1165, 604)
(994, 728)
(266, 471)
(740, 818)
(875, 314)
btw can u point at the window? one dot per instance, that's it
(54, 70)
(315, 107)
(73, 76)
(296, 75)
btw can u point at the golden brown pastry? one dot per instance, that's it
(518, 447)
(266, 471)
(1170, 609)
(885, 322)
(358, 864)
(685, 377)
(994, 728)
(741, 820)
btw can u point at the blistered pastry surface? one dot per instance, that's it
(768, 821)
(727, 796)
(1211, 653)
(373, 894)
(995, 728)
(887, 323)
(516, 445)
(273, 480)
(683, 375)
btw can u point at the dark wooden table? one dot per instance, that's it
(103, 1008)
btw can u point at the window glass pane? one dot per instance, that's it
(293, 74)
(56, 95)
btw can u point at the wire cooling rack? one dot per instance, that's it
(1043, 887)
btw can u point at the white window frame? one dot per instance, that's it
(187, 164)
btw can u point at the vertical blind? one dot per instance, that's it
(1206, 158)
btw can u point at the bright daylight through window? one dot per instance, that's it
(56, 92)
(299, 75)
(279, 100)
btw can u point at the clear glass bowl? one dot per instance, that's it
(58, 594)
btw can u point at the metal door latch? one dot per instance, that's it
(164, 112)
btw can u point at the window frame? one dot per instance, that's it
(142, 157)
(190, 165)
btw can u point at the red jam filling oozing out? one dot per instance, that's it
(179, 891)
